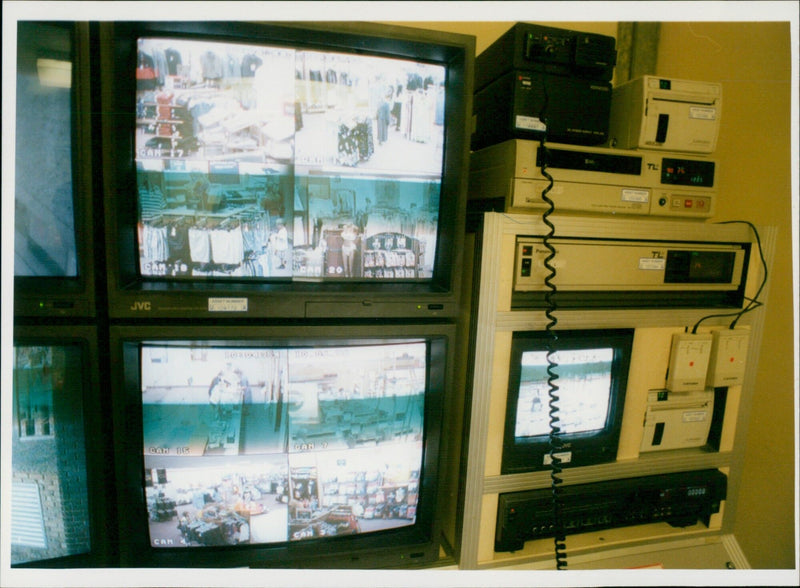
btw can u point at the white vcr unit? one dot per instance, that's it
(596, 180)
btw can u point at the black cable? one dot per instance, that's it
(556, 444)
(752, 303)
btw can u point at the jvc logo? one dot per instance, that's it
(141, 305)
(652, 166)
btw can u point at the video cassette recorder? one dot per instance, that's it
(594, 180)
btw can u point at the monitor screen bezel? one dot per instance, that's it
(133, 295)
(72, 296)
(528, 454)
(97, 436)
(394, 548)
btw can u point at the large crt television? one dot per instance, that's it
(580, 378)
(280, 446)
(52, 187)
(60, 475)
(263, 170)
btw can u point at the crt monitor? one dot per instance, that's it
(590, 370)
(311, 447)
(284, 166)
(53, 265)
(58, 513)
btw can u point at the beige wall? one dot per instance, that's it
(752, 61)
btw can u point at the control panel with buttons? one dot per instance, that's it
(679, 499)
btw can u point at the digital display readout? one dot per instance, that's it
(687, 172)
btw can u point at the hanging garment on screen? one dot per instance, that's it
(233, 67)
(384, 118)
(414, 82)
(173, 58)
(199, 245)
(250, 238)
(397, 106)
(255, 232)
(405, 117)
(213, 66)
(146, 76)
(250, 63)
(426, 234)
(154, 243)
(422, 118)
(151, 203)
(178, 242)
(161, 66)
(366, 143)
(227, 246)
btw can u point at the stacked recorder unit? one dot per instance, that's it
(535, 80)
(665, 114)
(593, 180)
(640, 149)
(676, 121)
(656, 163)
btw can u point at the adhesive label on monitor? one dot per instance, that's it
(530, 123)
(563, 456)
(227, 304)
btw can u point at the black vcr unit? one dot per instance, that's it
(550, 50)
(529, 105)
(537, 81)
(680, 499)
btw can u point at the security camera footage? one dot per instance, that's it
(261, 163)
(269, 445)
(49, 511)
(584, 388)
